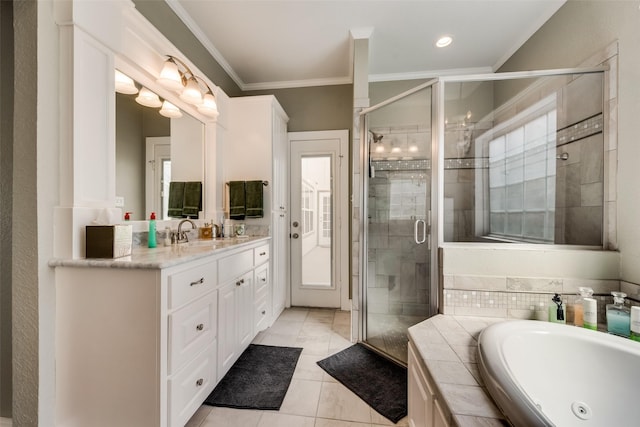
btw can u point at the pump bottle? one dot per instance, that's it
(152, 230)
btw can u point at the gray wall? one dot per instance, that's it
(165, 20)
(576, 32)
(315, 108)
(308, 108)
(6, 203)
(25, 265)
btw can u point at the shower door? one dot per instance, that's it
(397, 188)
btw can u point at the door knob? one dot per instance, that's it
(295, 223)
(295, 235)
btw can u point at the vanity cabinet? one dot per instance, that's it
(424, 408)
(142, 346)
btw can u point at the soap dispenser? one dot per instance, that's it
(152, 230)
(618, 316)
(557, 310)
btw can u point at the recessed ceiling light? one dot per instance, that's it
(444, 41)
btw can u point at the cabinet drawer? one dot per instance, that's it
(189, 284)
(262, 314)
(191, 386)
(235, 265)
(261, 254)
(262, 280)
(191, 329)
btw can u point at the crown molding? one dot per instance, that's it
(202, 38)
(334, 81)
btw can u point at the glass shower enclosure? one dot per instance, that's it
(397, 187)
(505, 158)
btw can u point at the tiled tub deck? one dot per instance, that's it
(446, 346)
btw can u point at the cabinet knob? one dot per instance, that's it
(263, 253)
(199, 382)
(264, 279)
(200, 327)
(264, 312)
(239, 282)
(197, 282)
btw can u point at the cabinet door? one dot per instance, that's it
(420, 395)
(280, 271)
(227, 328)
(244, 319)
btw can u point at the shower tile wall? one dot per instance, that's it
(398, 268)
(580, 194)
(580, 178)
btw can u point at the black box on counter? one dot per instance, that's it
(108, 241)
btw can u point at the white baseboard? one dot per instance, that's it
(5, 422)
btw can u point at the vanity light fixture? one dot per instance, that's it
(444, 41)
(125, 84)
(148, 98)
(171, 111)
(176, 75)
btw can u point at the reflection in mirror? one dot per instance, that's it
(152, 151)
(523, 160)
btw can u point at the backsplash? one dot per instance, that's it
(141, 235)
(520, 297)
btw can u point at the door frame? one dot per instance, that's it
(155, 149)
(341, 256)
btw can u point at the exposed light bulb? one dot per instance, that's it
(379, 149)
(396, 150)
(413, 148)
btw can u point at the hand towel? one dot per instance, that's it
(176, 199)
(237, 200)
(192, 199)
(254, 199)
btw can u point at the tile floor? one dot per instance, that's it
(314, 398)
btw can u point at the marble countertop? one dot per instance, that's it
(164, 256)
(448, 346)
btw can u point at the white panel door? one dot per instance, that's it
(319, 223)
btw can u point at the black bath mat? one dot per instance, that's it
(376, 380)
(258, 380)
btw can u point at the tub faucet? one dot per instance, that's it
(182, 235)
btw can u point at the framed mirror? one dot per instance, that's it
(151, 151)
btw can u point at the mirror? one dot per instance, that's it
(151, 151)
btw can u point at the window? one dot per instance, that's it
(308, 208)
(522, 175)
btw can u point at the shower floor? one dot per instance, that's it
(388, 333)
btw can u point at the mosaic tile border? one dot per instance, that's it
(581, 130)
(425, 164)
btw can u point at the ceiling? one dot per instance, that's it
(265, 44)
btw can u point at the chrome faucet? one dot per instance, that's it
(182, 235)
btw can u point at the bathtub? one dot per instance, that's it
(547, 374)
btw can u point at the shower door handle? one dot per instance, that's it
(424, 231)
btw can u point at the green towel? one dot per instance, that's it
(176, 199)
(254, 199)
(192, 199)
(236, 200)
